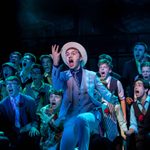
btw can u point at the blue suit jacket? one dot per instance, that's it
(27, 110)
(129, 73)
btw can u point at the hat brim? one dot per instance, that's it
(77, 46)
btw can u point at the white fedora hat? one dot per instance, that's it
(77, 46)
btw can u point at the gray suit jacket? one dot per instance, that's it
(89, 84)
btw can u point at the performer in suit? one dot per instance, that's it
(130, 70)
(139, 117)
(133, 67)
(18, 117)
(78, 110)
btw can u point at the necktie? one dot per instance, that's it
(17, 113)
(76, 78)
(110, 125)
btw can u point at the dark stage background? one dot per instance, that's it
(102, 26)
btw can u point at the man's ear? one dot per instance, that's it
(110, 70)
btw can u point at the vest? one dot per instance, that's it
(113, 86)
(80, 100)
(143, 125)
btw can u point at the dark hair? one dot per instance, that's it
(105, 61)
(141, 43)
(17, 53)
(39, 67)
(13, 78)
(105, 56)
(33, 57)
(10, 64)
(145, 64)
(45, 56)
(145, 82)
(57, 92)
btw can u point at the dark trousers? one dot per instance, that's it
(142, 142)
(23, 140)
(130, 142)
(99, 143)
(4, 143)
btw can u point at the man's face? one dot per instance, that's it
(14, 58)
(138, 52)
(26, 61)
(146, 73)
(104, 70)
(7, 71)
(13, 88)
(36, 75)
(46, 63)
(139, 90)
(73, 58)
(55, 100)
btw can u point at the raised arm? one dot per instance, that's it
(55, 54)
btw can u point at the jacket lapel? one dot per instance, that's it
(10, 110)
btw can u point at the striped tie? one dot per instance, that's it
(17, 113)
(110, 125)
(76, 78)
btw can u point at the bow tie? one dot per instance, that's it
(75, 71)
(104, 82)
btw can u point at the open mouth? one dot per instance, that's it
(71, 63)
(53, 104)
(24, 64)
(6, 74)
(10, 91)
(146, 77)
(137, 56)
(137, 92)
(13, 60)
(102, 74)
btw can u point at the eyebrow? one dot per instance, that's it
(74, 49)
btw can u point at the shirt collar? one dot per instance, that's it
(108, 79)
(76, 71)
(146, 101)
(17, 98)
